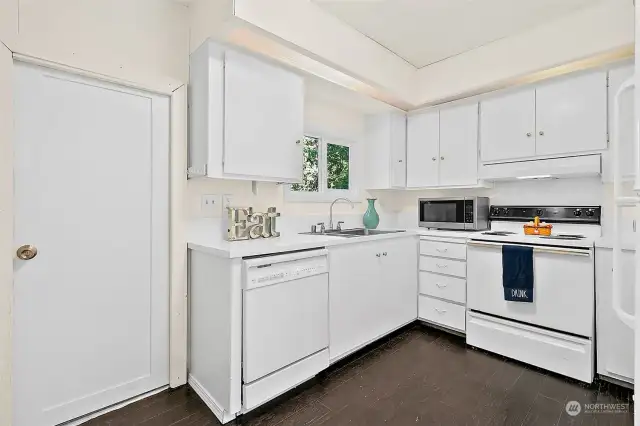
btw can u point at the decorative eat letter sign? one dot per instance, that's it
(244, 224)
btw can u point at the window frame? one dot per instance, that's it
(324, 193)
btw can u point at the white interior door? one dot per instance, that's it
(91, 194)
(459, 145)
(423, 154)
(263, 119)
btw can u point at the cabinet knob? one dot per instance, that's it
(297, 142)
(399, 161)
(442, 158)
(433, 158)
(529, 134)
(384, 253)
(377, 254)
(541, 133)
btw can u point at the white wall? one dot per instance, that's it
(6, 231)
(320, 118)
(143, 41)
(607, 26)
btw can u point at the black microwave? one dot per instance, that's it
(464, 213)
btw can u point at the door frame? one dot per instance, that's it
(177, 239)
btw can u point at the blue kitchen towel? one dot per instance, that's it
(517, 273)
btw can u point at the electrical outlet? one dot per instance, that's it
(227, 201)
(210, 205)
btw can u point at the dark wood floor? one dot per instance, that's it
(418, 377)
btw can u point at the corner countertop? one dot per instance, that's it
(206, 235)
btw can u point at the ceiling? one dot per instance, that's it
(426, 31)
(320, 90)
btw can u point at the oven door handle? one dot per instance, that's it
(568, 251)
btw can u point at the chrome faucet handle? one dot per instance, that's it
(321, 225)
(313, 229)
(339, 225)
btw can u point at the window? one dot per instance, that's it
(327, 171)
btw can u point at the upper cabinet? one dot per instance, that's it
(507, 126)
(386, 151)
(571, 115)
(246, 117)
(442, 147)
(566, 116)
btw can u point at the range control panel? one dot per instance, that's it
(550, 214)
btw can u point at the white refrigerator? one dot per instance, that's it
(627, 199)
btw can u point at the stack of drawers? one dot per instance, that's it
(443, 282)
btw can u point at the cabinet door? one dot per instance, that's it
(459, 145)
(398, 178)
(399, 284)
(615, 344)
(377, 171)
(571, 115)
(353, 296)
(423, 139)
(507, 126)
(617, 76)
(263, 119)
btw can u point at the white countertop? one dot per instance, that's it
(206, 235)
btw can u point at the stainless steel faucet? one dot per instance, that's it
(331, 209)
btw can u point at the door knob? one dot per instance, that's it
(26, 252)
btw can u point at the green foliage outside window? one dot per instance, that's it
(337, 166)
(309, 166)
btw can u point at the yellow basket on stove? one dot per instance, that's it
(537, 228)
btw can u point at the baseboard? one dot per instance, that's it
(83, 419)
(221, 414)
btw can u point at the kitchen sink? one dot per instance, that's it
(349, 233)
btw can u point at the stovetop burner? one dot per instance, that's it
(565, 237)
(499, 233)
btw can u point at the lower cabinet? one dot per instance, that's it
(615, 343)
(443, 284)
(372, 291)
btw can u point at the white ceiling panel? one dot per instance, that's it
(427, 31)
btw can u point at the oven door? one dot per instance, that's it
(446, 214)
(563, 288)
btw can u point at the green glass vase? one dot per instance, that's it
(371, 218)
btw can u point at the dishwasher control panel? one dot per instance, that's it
(280, 271)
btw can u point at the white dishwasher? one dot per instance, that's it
(285, 323)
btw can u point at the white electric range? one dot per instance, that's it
(556, 330)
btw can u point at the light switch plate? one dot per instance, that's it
(227, 201)
(211, 205)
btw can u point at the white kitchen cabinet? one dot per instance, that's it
(423, 149)
(507, 126)
(246, 117)
(442, 147)
(459, 145)
(386, 155)
(571, 114)
(372, 291)
(616, 77)
(615, 344)
(561, 117)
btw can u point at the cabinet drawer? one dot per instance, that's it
(456, 268)
(441, 249)
(444, 287)
(442, 313)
